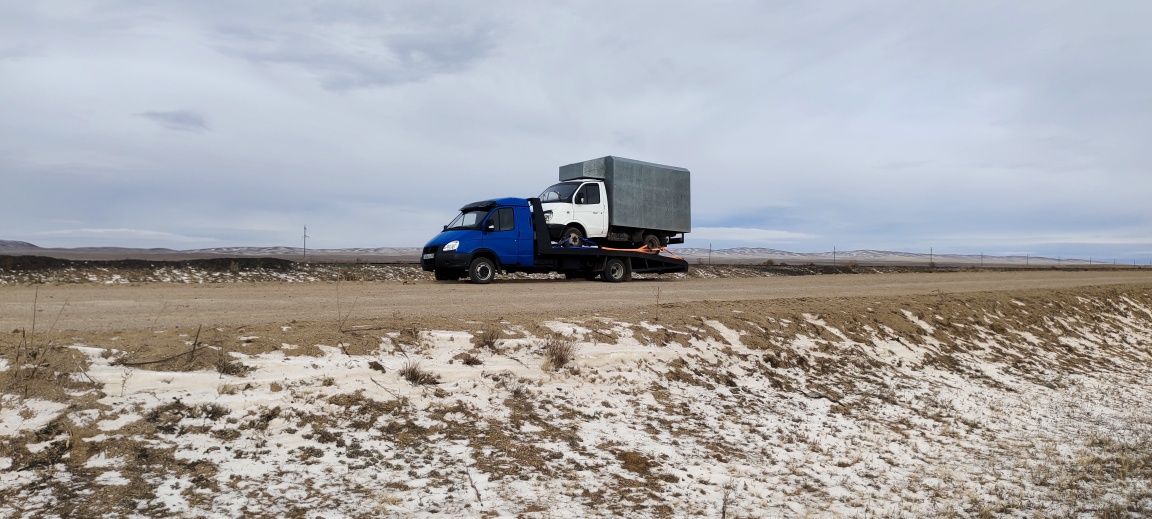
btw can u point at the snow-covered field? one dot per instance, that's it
(975, 405)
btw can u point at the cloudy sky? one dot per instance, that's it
(974, 126)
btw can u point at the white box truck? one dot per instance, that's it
(616, 200)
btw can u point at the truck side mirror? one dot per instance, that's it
(445, 228)
(490, 227)
(580, 198)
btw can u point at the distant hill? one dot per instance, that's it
(9, 245)
(350, 255)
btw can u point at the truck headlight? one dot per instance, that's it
(451, 246)
(548, 216)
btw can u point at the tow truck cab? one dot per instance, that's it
(500, 230)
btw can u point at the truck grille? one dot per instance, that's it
(428, 256)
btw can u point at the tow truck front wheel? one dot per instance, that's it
(481, 271)
(616, 270)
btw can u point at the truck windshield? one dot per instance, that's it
(561, 192)
(468, 219)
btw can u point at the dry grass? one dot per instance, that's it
(232, 367)
(409, 334)
(558, 353)
(416, 375)
(468, 359)
(487, 338)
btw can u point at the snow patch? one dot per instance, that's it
(26, 414)
(112, 478)
(919, 322)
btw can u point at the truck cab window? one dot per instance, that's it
(589, 194)
(504, 219)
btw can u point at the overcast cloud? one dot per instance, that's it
(975, 126)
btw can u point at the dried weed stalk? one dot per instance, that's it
(558, 353)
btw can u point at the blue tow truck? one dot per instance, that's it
(511, 235)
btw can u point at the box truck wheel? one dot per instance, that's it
(482, 270)
(652, 241)
(572, 236)
(616, 270)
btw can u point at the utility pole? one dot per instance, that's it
(305, 260)
(833, 255)
(709, 253)
(931, 258)
(1028, 259)
(981, 260)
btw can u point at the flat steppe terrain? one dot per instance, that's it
(233, 390)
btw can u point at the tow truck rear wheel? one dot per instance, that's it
(481, 271)
(616, 270)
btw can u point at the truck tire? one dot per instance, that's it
(481, 271)
(652, 241)
(572, 236)
(616, 270)
(447, 275)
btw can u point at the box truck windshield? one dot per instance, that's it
(561, 192)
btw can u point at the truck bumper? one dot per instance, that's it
(441, 260)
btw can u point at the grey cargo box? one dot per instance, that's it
(641, 195)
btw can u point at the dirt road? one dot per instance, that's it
(105, 308)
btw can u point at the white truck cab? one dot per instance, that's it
(576, 209)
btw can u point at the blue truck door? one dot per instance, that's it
(501, 236)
